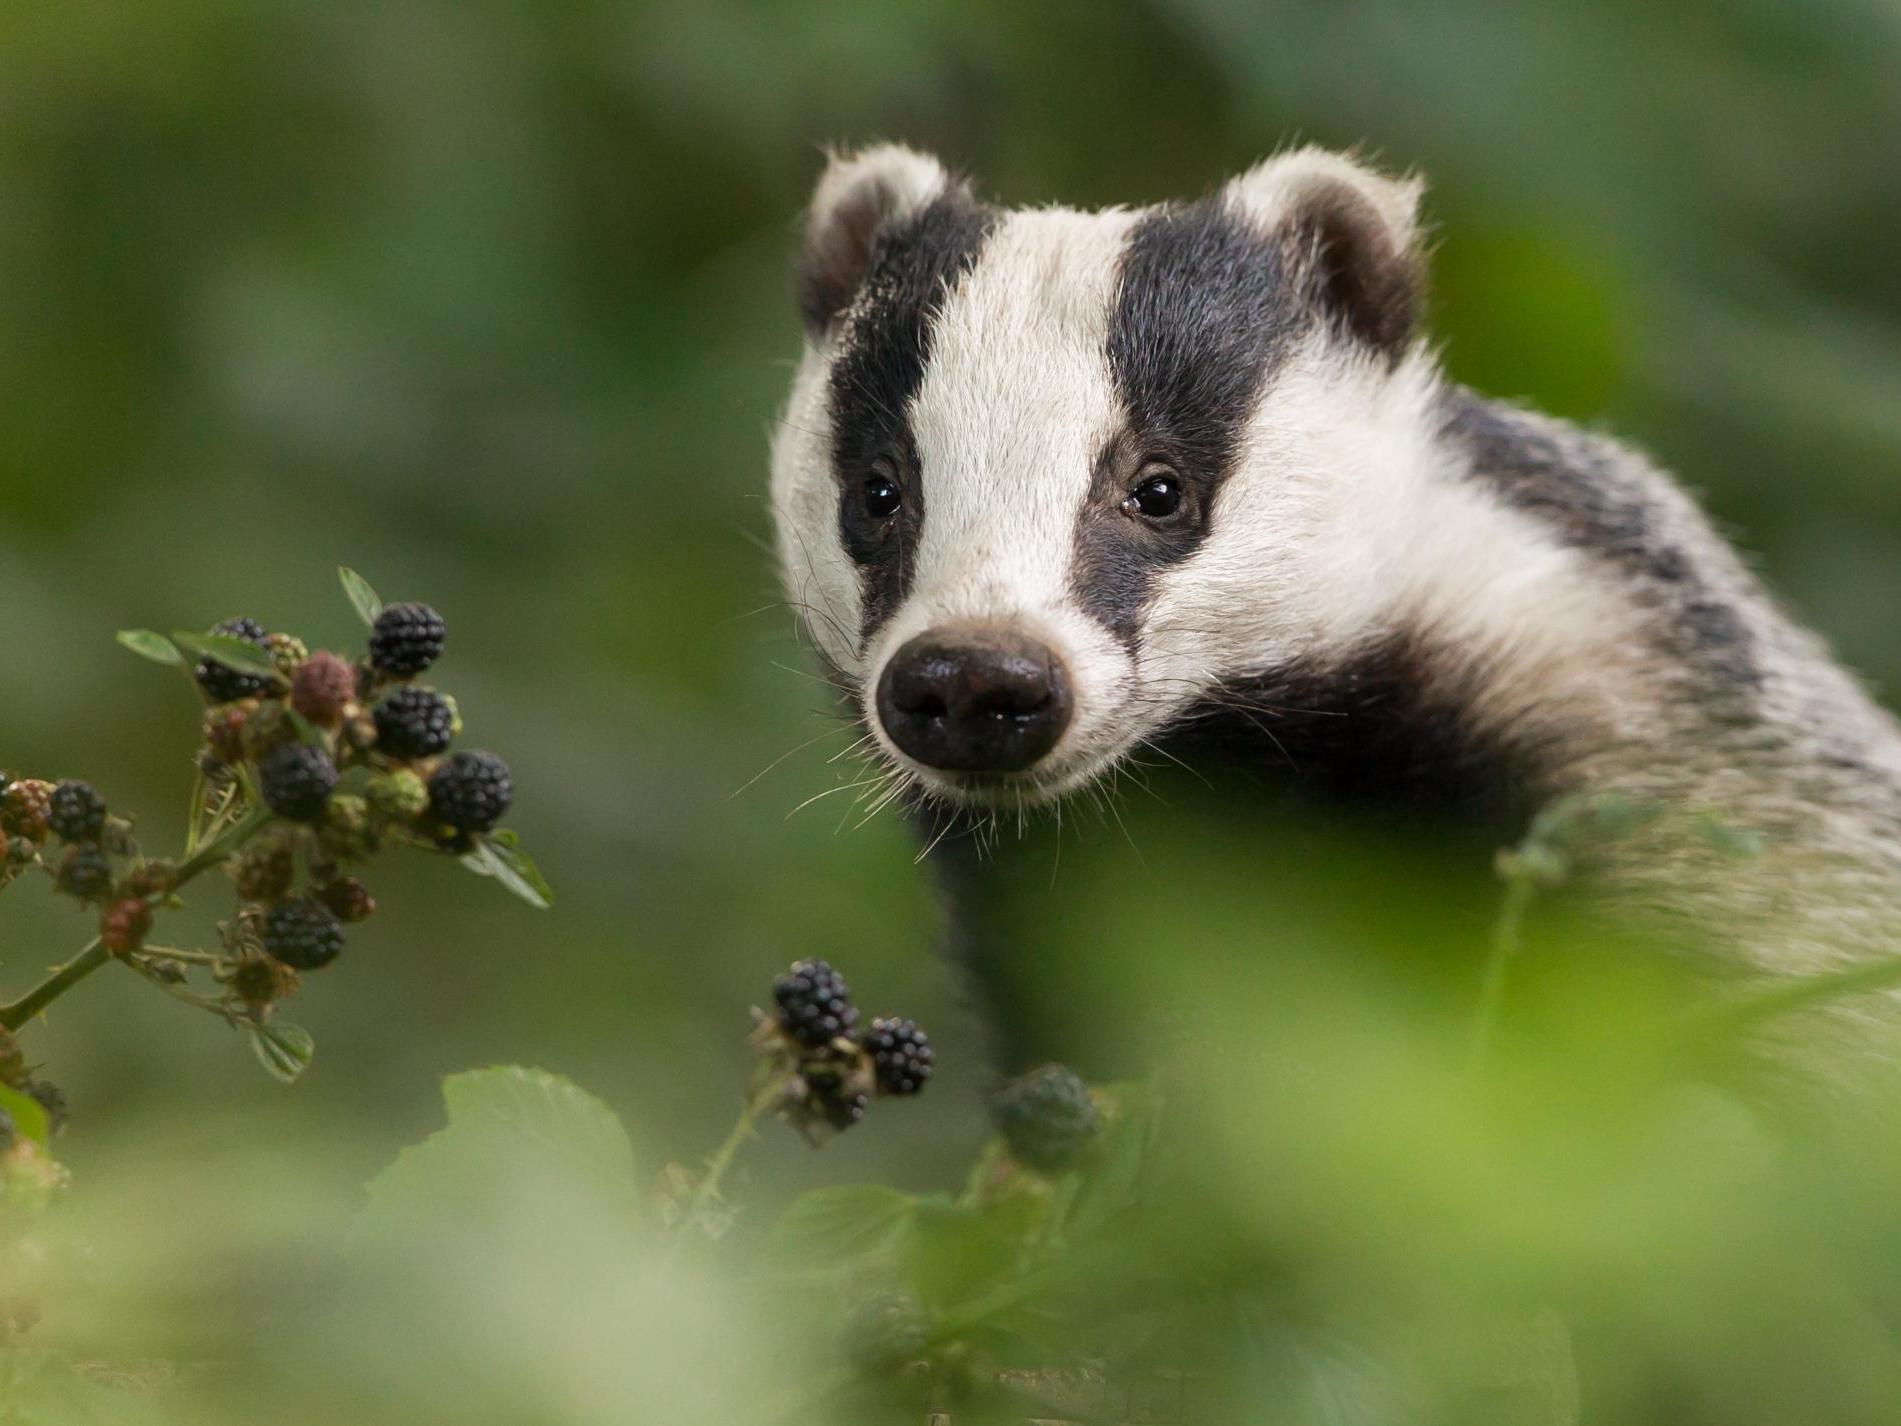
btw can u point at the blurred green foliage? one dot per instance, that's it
(490, 301)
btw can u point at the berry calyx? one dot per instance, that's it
(901, 1055)
(414, 723)
(470, 792)
(263, 870)
(297, 781)
(406, 639)
(1048, 1118)
(303, 934)
(221, 682)
(814, 1003)
(75, 813)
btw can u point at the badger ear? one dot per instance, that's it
(859, 197)
(1351, 237)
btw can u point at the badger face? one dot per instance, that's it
(1048, 481)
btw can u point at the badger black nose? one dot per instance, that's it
(977, 700)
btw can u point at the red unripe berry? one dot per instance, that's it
(122, 929)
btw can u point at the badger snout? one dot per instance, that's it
(977, 699)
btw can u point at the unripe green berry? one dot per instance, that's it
(286, 651)
(346, 830)
(268, 728)
(398, 796)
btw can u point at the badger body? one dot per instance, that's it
(1055, 489)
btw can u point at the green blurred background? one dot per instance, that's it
(490, 300)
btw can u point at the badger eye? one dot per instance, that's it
(1157, 496)
(882, 497)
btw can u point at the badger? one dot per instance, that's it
(1056, 488)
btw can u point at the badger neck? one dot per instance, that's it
(1552, 615)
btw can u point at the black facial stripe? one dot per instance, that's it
(1576, 488)
(1203, 315)
(885, 346)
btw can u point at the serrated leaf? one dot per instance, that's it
(510, 1115)
(362, 598)
(285, 1051)
(26, 1112)
(499, 855)
(233, 653)
(832, 1227)
(149, 644)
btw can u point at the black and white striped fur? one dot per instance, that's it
(1425, 596)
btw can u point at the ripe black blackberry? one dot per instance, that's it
(901, 1055)
(302, 934)
(75, 812)
(414, 723)
(470, 792)
(1047, 1118)
(406, 639)
(842, 1108)
(221, 682)
(86, 873)
(814, 1003)
(297, 780)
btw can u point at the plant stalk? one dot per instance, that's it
(1507, 941)
(13, 1016)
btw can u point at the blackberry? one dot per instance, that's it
(406, 639)
(814, 1004)
(302, 934)
(842, 1108)
(414, 723)
(75, 812)
(901, 1055)
(297, 781)
(264, 870)
(221, 682)
(51, 1098)
(349, 899)
(86, 873)
(1047, 1118)
(124, 925)
(321, 686)
(470, 792)
(23, 809)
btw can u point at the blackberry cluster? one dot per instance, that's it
(814, 1004)
(302, 933)
(221, 682)
(414, 723)
(296, 780)
(406, 639)
(1048, 1119)
(75, 812)
(831, 1070)
(901, 1055)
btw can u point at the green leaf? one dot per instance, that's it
(26, 1112)
(367, 605)
(239, 654)
(154, 646)
(1117, 1171)
(285, 1051)
(499, 855)
(507, 1116)
(833, 1227)
(956, 1253)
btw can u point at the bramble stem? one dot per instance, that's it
(1749, 1010)
(1507, 942)
(723, 1156)
(13, 1016)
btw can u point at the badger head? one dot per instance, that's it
(1049, 480)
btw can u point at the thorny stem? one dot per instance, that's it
(1507, 942)
(13, 1016)
(723, 1156)
(1750, 1010)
